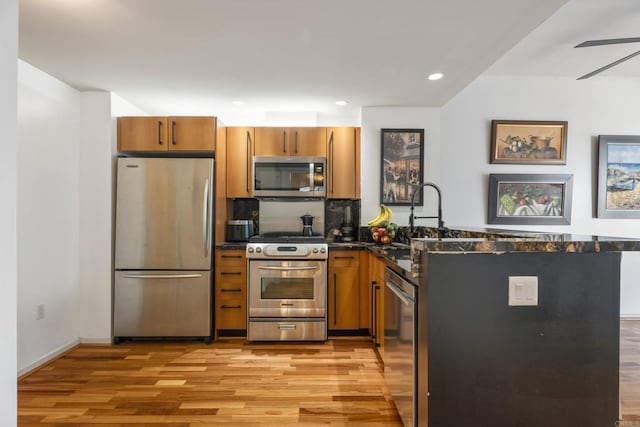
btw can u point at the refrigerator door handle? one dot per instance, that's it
(162, 276)
(205, 218)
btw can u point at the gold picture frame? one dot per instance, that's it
(529, 142)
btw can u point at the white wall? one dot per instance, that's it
(95, 217)
(8, 207)
(97, 201)
(372, 120)
(48, 215)
(592, 107)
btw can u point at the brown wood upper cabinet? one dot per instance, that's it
(302, 141)
(343, 163)
(166, 133)
(239, 177)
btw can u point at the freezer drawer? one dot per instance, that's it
(162, 304)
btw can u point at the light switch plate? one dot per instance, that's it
(523, 290)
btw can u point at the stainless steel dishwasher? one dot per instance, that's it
(400, 355)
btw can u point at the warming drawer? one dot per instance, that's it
(274, 329)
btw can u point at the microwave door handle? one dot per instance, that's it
(312, 187)
(288, 268)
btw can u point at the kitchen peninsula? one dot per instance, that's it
(486, 362)
(545, 352)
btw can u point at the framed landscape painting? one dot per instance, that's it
(618, 176)
(528, 142)
(530, 199)
(402, 166)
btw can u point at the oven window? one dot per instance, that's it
(286, 288)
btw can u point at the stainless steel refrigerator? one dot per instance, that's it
(163, 248)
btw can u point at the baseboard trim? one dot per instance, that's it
(95, 340)
(47, 358)
(630, 317)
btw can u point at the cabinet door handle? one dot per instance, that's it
(160, 132)
(173, 132)
(344, 257)
(231, 290)
(231, 273)
(335, 298)
(248, 159)
(284, 141)
(230, 306)
(296, 144)
(374, 310)
(331, 151)
(231, 256)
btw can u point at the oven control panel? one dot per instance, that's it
(287, 250)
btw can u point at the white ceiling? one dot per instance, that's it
(197, 56)
(549, 49)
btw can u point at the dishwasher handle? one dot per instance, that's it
(404, 297)
(404, 289)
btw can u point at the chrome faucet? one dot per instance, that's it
(412, 217)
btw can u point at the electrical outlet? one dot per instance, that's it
(40, 312)
(523, 290)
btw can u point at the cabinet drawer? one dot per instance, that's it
(231, 275)
(231, 258)
(231, 313)
(344, 259)
(228, 290)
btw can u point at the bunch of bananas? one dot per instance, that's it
(382, 229)
(383, 218)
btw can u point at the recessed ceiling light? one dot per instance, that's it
(435, 76)
(237, 102)
(341, 103)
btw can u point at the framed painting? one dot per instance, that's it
(618, 176)
(530, 199)
(528, 142)
(402, 166)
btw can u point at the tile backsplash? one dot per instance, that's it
(282, 215)
(335, 219)
(333, 222)
(247, 209)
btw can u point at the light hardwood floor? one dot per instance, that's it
(630, 370)
(335, 383)
(232, 382)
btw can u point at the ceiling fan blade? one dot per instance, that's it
(606, 67)
(603, 42)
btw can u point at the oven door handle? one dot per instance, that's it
(288, 268)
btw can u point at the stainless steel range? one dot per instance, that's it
(287, 288)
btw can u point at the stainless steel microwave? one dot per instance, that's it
(295, 176)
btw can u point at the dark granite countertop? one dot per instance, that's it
(465, 240)
(347, 246)
(501, 241)
(232, 245)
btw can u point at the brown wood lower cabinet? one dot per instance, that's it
(231, 293)
(376, 278)
(344, 290)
